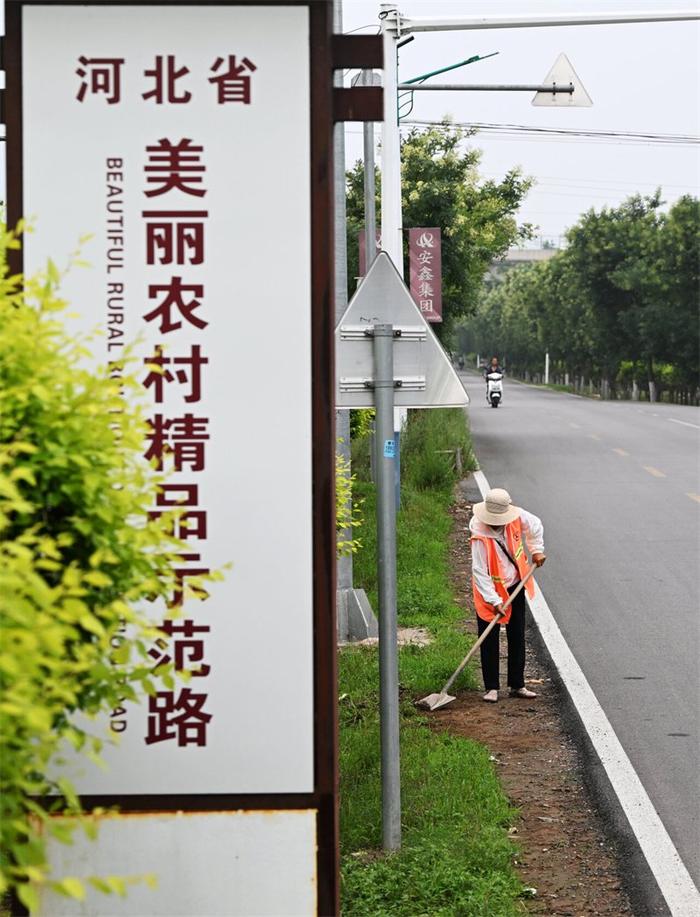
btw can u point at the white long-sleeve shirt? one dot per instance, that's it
(533, 533)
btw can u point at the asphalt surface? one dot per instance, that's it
(617, 485)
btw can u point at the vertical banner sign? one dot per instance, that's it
(425, 266)
(182, 139)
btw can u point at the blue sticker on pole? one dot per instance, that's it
(389, 448)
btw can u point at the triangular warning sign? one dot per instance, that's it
(423, 372)
(563, 74)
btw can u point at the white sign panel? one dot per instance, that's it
(228, 865)
(562, 73)
(423, 373)
(165, 133)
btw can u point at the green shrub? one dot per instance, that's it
(77, 552)
(348, 513)
(361, 421)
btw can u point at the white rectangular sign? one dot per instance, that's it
(231, 867)
(165, 133)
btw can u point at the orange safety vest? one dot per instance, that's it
(514, 541)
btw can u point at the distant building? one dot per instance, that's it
(517, 256)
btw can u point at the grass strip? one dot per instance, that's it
(456, 858)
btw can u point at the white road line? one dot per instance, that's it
(683, 422)
(594, 436)
(672, 877)
(482, 483)
(695, 497)
(654, 471)
(621, 452)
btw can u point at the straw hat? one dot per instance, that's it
(497, 508)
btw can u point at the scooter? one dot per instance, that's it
(494, 389)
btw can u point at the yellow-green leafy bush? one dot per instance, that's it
(348, 515)
(77, 553)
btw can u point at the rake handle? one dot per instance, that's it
(488, 630)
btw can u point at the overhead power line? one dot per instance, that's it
(558, 133)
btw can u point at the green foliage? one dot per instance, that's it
(456, 856)
(619, 303)
(348, 514)
(431, 447)
(441, 187)
(361, 421)
(77, 553)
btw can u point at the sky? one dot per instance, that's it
(641, 78)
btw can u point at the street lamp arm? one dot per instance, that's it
(405, 25)
(470, 60)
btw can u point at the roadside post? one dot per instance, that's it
(388, 357)
(385, 456)
(194, 143)
(356, 619)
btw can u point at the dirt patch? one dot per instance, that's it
(405, 636)
(565, 856)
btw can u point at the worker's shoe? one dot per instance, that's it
(491, 697)
(522, 692)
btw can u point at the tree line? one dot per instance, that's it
(617, 309)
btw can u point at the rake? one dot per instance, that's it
(435, 701)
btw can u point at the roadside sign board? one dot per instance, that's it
(171, 133)
(425, 267)
(562, 73)
(422, 370)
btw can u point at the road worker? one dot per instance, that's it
(499, 562)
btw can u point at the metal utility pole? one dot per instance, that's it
(344, 567)
(356, 619)
(392, 241)
(395, 27)
(383, 350)
(370, 192)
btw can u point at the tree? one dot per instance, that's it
(441, 187)
(669, 278)
(607, 254)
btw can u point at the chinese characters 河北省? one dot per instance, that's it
(167, 82)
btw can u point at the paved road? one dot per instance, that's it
(618, 488)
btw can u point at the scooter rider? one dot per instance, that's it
(494, 389)
(493, 367)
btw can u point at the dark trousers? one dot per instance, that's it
(515, 631)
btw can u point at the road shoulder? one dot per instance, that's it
(566, 854)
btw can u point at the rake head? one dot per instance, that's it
(435, 701)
